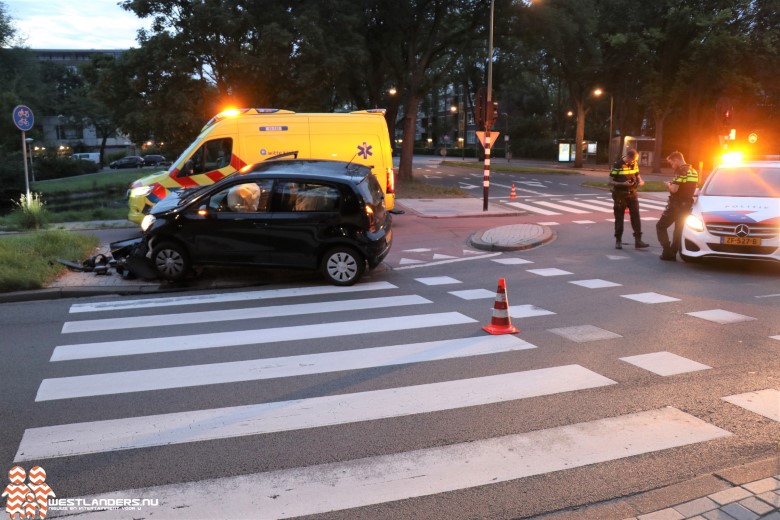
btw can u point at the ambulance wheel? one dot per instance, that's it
(171, 261)
(343, 265)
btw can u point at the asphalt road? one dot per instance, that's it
(416, 445)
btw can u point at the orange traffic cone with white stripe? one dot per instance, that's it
(500, 323)
(513, 193)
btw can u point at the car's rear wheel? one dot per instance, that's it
(171, 261)
(343, 265)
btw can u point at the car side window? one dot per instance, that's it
(247, 197)
(305, 197)
(212, 155)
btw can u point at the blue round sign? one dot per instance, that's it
(23, 118)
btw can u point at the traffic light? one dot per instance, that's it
(492, 114)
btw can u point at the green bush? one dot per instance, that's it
(29, 213)
(57, 168)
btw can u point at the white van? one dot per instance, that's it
(94, 157)
(236, 138)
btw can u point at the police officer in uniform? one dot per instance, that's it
(624, 180)
(681, 191)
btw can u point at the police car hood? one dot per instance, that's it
(739, 210)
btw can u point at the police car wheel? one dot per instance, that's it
(343, 266)
(171, 261)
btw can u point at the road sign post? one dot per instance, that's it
(24, 119)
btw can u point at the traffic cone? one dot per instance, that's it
(500, 323)
(513, 194)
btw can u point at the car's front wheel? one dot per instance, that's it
(171, 261)
(343, 266)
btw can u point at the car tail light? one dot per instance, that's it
(390, 181)
(371, 218)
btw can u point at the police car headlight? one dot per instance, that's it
(147, 222)
(694, 223)
(143, 191)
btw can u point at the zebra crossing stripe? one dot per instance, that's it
(227, 297)
(332, 487)
(589, 206)
(162, 320)
(253, 337)
(270, 368)
(553, 205)
(221, 423)
(532, 209)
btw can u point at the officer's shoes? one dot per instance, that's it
(640, 245)
(669, 255)
(618, 244)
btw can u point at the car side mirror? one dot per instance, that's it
(203, 211)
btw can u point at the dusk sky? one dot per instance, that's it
(74, 24)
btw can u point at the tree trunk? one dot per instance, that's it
(579, 136)
(407, 146)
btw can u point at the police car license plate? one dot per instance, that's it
(741, 241)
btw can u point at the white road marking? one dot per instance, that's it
(474, 294)
(272, 368)
(532, 209)
(763, 402)
(237, 421)
(595, 283)
(584, 333)
(438, 280)
(650, 297)
(442, 262)
(549, 272)
(252, 337)
(559, 206)
(512, 261)
(161, 320)
(332, 487)
(227, 297)
(665, 363)
(589, 206)
(720, 316)
(583, 222)
(527, 311)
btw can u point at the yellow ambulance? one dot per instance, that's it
(236, 138)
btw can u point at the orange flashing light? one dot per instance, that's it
(732, 157)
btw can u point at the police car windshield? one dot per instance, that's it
(745, 181)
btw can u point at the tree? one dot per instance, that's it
(567, 33)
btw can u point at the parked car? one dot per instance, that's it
(156, 160)
(131, 161)
(309, 214)
(736, 214)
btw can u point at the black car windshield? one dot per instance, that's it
(745, 181)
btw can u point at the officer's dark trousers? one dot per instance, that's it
(675, 213)
(623, 200)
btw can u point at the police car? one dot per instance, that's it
(736, 214)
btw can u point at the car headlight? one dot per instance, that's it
(147, 222)
(694, 222)
(143, 191)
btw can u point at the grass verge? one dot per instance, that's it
(101, 181)
(649, 185)
(28, 261)
(422, 190)
(508, 168)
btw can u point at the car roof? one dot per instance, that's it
(309, 168)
